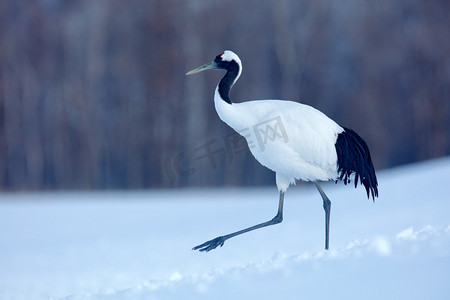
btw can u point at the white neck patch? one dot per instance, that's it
(229, 55)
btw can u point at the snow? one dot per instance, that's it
(137, 245)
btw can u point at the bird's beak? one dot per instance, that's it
(208, 66)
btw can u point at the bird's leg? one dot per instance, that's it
(327, 208)
(218, 241)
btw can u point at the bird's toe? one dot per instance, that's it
(210, 245)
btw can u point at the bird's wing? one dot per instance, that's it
(293, 139)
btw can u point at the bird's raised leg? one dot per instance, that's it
(327, 208)
(218, 241)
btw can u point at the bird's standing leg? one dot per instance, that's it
(218, 241)
(327, 208)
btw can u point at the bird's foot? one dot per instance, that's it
(210, 245)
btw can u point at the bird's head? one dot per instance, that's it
(228, 60)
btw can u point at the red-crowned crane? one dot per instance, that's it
(304, 143)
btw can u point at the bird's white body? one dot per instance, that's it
(301, 145)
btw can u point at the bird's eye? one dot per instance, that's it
(218, 58)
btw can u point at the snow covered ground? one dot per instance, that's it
(137, 245)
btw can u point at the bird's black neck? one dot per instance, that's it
(227, 81)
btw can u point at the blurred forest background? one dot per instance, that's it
(93, 93)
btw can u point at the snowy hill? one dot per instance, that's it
(137, 245)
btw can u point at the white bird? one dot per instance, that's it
(296, 141)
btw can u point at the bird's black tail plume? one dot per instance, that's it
(354, 157)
